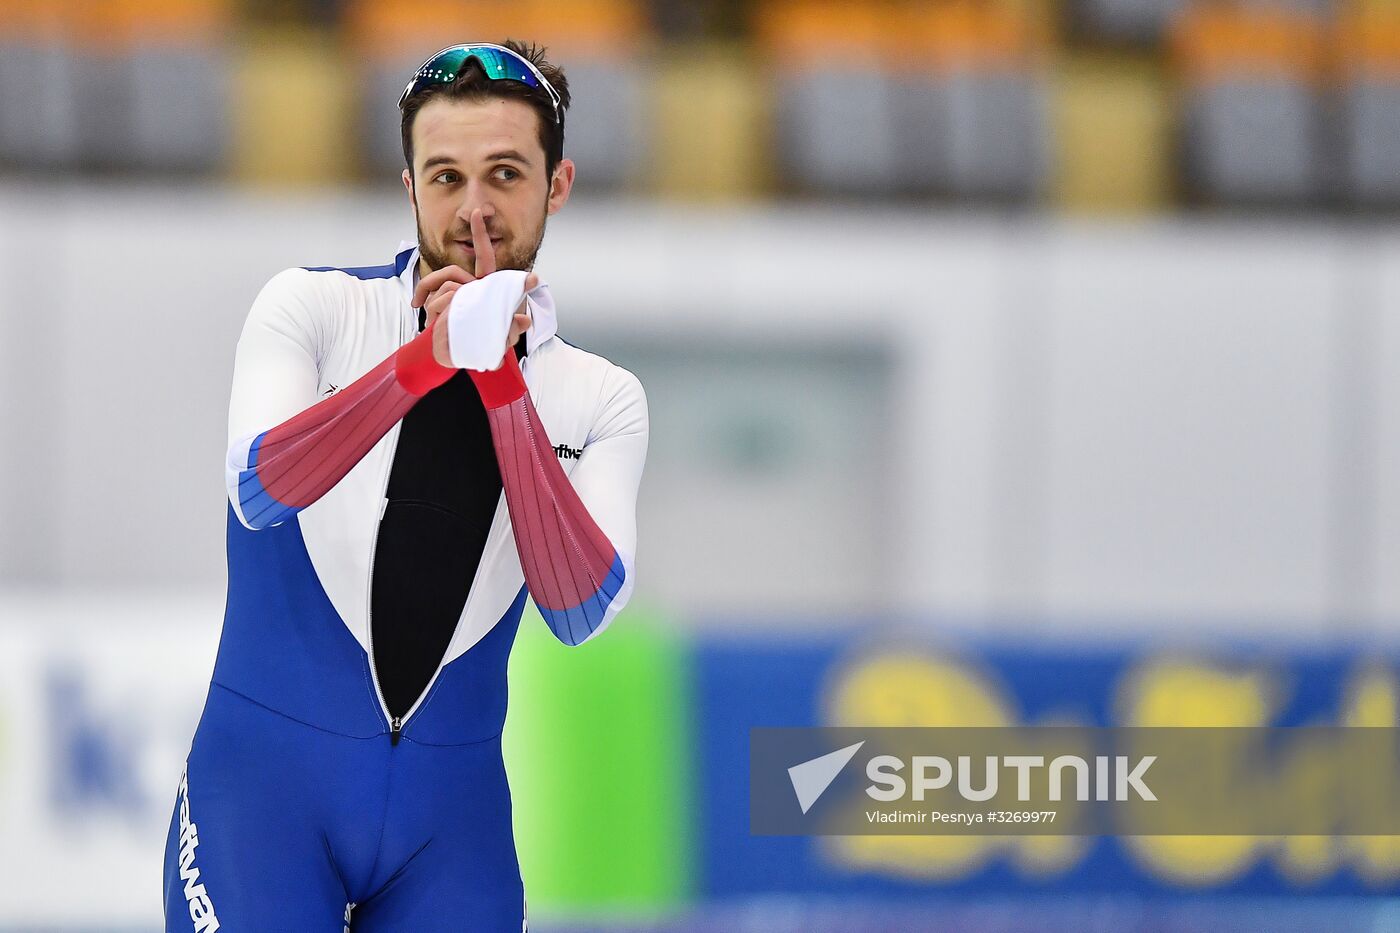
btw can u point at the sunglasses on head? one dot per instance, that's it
(498, 62)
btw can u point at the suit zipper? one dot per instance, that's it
(396, 723)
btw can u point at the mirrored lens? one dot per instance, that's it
(445, 66)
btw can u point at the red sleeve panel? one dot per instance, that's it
(572, 570)
(290, 466)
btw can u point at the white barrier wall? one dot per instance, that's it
(1188, 424)
(99, 697)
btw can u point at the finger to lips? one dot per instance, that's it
(481, 244)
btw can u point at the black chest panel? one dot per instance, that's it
(444, 486)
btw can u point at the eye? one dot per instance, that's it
(506, 173)
(446, 178)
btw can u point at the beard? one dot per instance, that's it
(513, 253)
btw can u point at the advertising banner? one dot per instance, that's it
(1266, 794)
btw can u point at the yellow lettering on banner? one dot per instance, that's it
(915, 689)
(1176, 693)
(1372, 698)
(912, 858)
(924, 689)
(1179, 692)
(1044, 857)
(1307, 777)
(1307, 860)
(920, 688)
(909, 689)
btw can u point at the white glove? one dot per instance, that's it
(478, 320)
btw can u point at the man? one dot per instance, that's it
(411, 450)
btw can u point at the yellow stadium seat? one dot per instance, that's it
(1112, 131)
(712, 124)
(291, 110)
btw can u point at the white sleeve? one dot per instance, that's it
(608, 474)
(275, 368)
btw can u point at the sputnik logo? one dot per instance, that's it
(810, 779)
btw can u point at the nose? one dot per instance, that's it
(475, 195)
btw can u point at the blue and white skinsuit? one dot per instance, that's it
(332, 786)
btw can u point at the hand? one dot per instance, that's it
(438, 288)
(486, 264)
(435, 292)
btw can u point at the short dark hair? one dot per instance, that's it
(473, 84)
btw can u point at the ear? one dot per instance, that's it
(408, 186)
(561, 184)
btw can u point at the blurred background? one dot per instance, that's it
(1009, 361)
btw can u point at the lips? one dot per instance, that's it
(467, 244)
